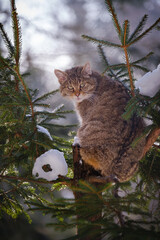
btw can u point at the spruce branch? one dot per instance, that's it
(106, 63)
(130, 108)
(20, 142)
(6, 64)
(17, 38)
(102, 54)
(114, 67)
(144, 69)
(151, 139)
(129, 70)
(103, 42)
(114, 17)
(139, 28)
(45, 96)
(142, 136)
(143, 59)
(45, 105)
(17, 33)
(125, 32)
(122, 70)
(139, 103)
(6, 40)
(19, 78)
(121, 76)
(145, 32)
(26, 91)
(61, 179)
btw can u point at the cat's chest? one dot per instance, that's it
(84, 109)
(80, 119)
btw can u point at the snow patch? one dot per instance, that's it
(57, 162)
(80, 161)
(67, 193)
(76, 141)
(57, 108)
(45, 131)
(147, 121)
(149, 84)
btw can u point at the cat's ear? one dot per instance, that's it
(86, 70)
(62, 76)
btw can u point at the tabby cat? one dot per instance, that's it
(104, 136)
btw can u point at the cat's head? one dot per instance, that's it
(77, 83)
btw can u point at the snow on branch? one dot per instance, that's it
(149, 84)
(45, 131)
(56, 161)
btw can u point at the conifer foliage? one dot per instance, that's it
(145, 106)
(99, 211)
(124, 71)
(22, 111)
(121, 211)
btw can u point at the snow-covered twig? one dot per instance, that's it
(55, 159)
(45, 131)
(149, 84)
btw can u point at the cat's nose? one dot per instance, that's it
(77, 94)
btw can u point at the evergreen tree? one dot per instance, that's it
(22, 112)
(99, 210)
(127, 210)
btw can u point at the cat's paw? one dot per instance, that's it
(76, 141)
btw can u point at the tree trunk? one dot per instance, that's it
(83, 171)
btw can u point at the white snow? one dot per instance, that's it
(147, 121)
(44, 130)
(28, 115)
(80, 161)
(57, 108)
(67, 193)
(76, 141)
(149, 84)
(56, 161)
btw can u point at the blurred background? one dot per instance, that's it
(51, 39)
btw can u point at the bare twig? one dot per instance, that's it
(152, 137)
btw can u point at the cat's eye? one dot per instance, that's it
(70, 88)
(82, 85)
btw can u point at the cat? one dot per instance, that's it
(105, 138)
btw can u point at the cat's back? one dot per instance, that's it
(111, 90)
(102, 117)
(109, 100)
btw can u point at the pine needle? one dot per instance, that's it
(103, 42)
(114, 17)
(17, 32)
(139, 28)
(7, 41)
(145, 32)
